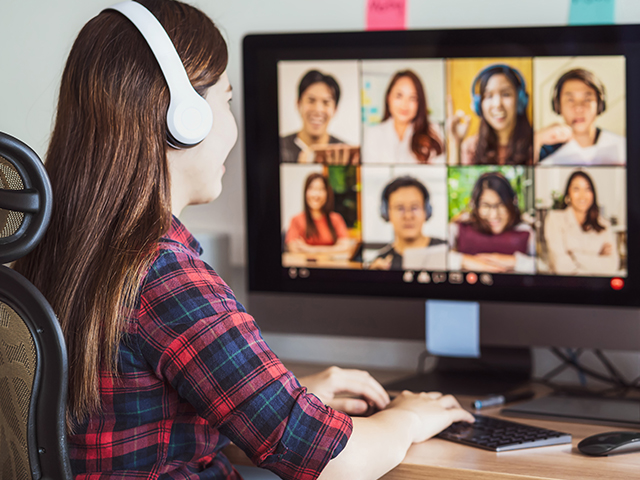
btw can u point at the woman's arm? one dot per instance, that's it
(379, 443)
(560, 260)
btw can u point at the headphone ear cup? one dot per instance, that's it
(476, 104)
(602, 105)
(428, 208)
(523, 101)
(384, 209)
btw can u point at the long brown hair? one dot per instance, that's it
(327, 208)
(110, 178)
(520, 147)
(593, 214)
(424, 144)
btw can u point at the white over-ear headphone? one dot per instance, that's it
(189, 118)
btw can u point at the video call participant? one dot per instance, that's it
(318, 98)
(492, 237)
(500, 99)
(406, 205)
(579, 97)
(163, 359)
(579, 240)
(318, 229)
(405, 134)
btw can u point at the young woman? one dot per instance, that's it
(579, 97)
(492, 237)
(165, 366)
(579, 240)
(318, 229)
(405, 134)
(318, 97)
(505, 136)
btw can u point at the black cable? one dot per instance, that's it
(588, 371)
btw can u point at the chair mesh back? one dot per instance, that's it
(17, 372)
(10, 221)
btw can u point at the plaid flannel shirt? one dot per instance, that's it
(195, 373)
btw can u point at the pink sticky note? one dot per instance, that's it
(386, 14)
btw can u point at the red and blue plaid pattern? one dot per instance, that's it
(194, 374)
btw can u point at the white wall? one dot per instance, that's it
(37, 35)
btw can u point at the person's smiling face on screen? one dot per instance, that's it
(316, 106)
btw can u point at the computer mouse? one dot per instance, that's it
(610, 443)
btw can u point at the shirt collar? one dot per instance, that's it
(178, 233)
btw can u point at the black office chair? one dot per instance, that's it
(33, 355)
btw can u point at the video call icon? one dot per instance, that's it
(304, 273)
(408, 276)
(456, 278)
(439, 277)
(472, 278)
(486, 279)
(423, 277)
(293, 273)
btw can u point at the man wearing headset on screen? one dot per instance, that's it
(405, 204)
(580, 98)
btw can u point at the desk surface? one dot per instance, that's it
(438, 459)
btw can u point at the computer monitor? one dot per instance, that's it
(490, 165)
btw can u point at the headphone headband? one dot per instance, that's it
(189, 118)
(521, 91)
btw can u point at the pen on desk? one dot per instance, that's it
(497, 400)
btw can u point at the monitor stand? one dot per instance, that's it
(498, 370)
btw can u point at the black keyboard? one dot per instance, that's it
(500, 435)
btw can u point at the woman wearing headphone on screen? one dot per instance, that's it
(579, 240)
(405, 134)
(579, 97)
(318, 229)
(492, 237)
(500, 99)
(165, 366)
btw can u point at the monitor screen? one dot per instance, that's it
(455, 164)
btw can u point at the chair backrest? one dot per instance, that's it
(33, 357)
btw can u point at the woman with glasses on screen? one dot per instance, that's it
(165, 365)
(405, 134)
(578, 239)
(318, 229)
(492, 237)
(500, 99)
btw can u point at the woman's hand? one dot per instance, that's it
(350, 391)
(476, 263)
(457, 123)
(433, 412)
(606, 250)
(499, 260)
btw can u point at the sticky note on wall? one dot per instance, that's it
(386, 14)
(592, 12)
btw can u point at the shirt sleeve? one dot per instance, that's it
(199, 339)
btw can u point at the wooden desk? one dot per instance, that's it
(438, 459)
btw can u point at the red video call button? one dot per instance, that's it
(617, 283)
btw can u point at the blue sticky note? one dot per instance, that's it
(592, 12)
(453, 328)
